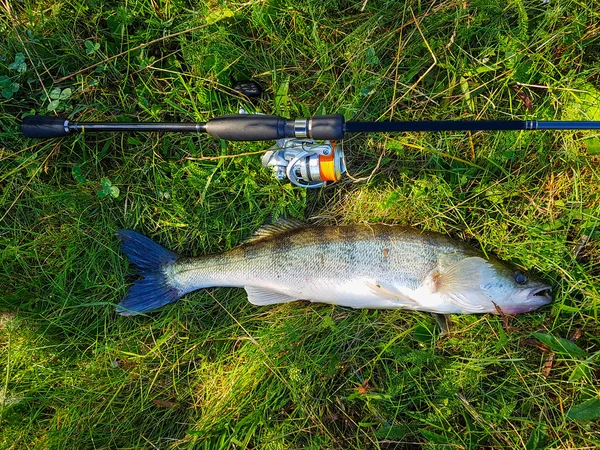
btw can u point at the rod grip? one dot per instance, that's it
(329, 127)
(250, 127)
(259, 127)
(44, 126)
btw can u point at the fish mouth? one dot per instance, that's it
(540, 294)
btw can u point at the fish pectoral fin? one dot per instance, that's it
(459, 282)
(262, 296)
(466, 274)
(390, 293)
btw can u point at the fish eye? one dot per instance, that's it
(520, 278)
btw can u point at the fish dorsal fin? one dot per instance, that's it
(262, 296)
(281, 225)
(459, 280)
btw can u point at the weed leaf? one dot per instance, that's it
(433, 437)
(582, 370)
(423, 333)
(588, 410)
(394, 432)
(537, 439)
(466, 91)
(53, 105)
(114, 191)
(78, 174)
(371, 58)
(218, 15)
(65, 94)
(55, 94)
(593, 146)
(560, 345)
(107, 189)
(91, 47)
(281, 97)
(10, 90)
(19, 64)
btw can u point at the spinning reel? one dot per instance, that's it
(305, 162)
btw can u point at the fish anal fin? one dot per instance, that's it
(263, 296)
(389, 293)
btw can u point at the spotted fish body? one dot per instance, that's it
(358, 266)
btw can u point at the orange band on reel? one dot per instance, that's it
(327, 165)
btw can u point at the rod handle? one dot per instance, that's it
(259, 127)
(44, 126)
(235, 127)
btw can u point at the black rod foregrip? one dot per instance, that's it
(260, 127)
(250, 127)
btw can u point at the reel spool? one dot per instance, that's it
(305, 162)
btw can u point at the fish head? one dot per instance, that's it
(512, 291)
(475, 285)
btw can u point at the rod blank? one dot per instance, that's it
(567, 125)
(468, 125)
(438, 125)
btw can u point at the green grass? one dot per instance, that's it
(213, 371)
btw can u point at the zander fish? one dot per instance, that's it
(360, 266)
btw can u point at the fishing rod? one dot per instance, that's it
(297, 155)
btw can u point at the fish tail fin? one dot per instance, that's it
(155, 289)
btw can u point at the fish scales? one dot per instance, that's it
(308, 263)
(317, 254)
(360, 266)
